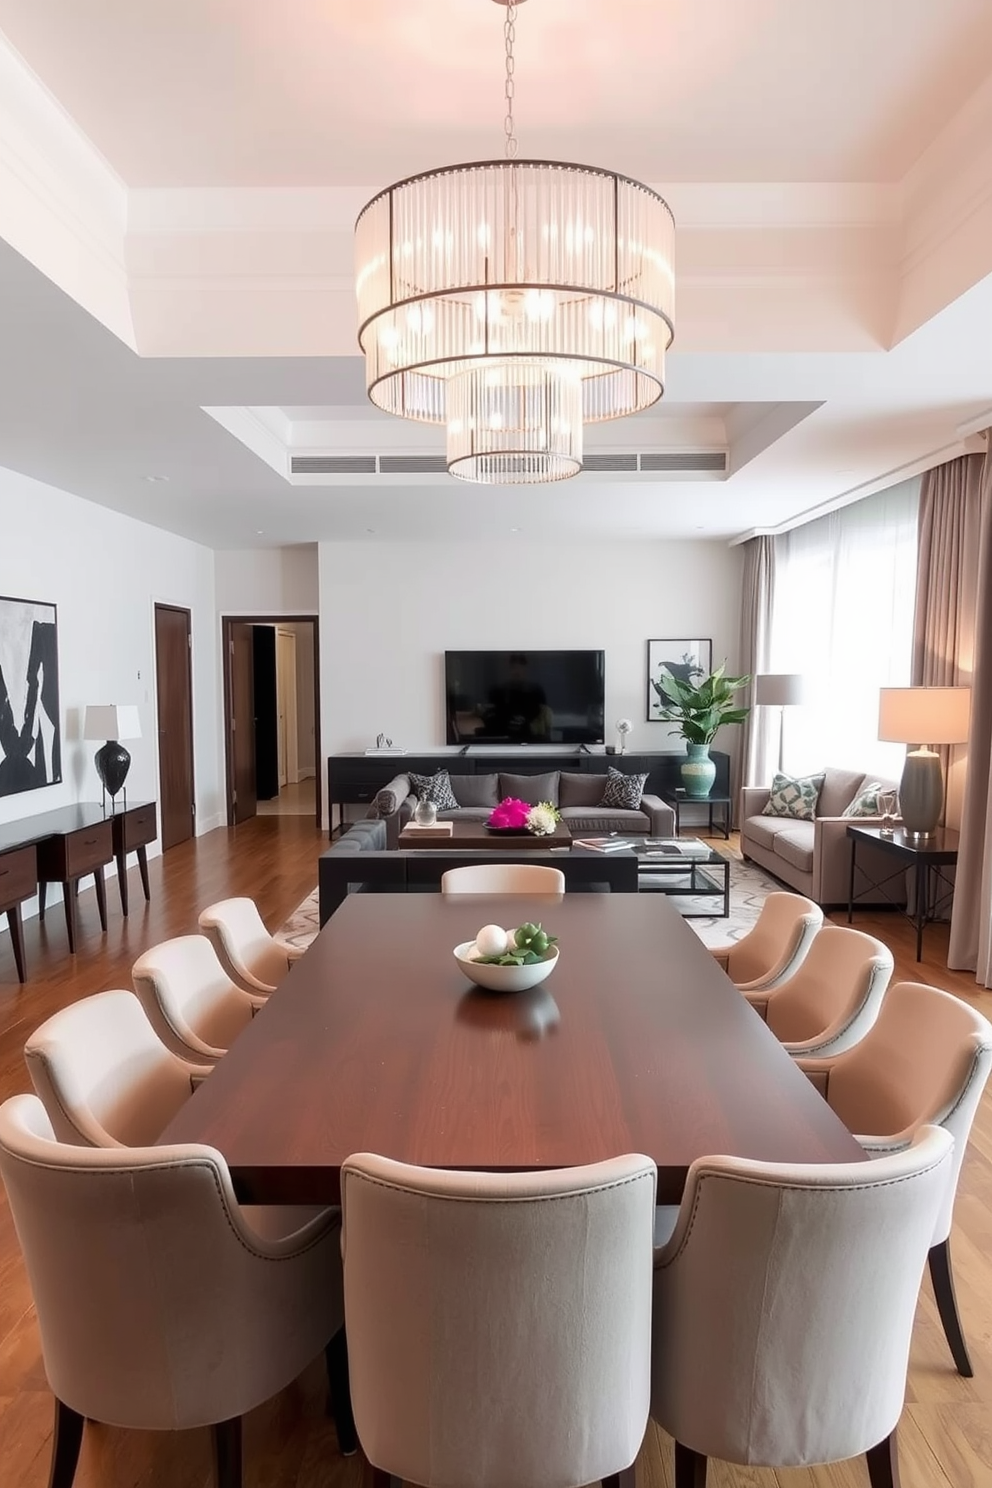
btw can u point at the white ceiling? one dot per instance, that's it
(179, 182)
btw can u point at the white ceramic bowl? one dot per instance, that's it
(504, 978)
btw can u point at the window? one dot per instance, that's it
(845, 588)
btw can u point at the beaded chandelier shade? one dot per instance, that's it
(513, 301)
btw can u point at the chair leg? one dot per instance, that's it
(623, 1479)
(66, 1442)
(381, 1479)
(690, 1467)
(947, 1305)
(227, 1453)
(883, 1463)
(339, 1405)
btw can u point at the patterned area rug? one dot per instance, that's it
(748, 888)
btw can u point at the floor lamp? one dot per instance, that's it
(940, 715)
(779, 690)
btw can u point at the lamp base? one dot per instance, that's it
(112, 764)
(921, 794)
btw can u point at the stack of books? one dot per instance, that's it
(604, 844)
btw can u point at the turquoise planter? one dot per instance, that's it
(698, 771)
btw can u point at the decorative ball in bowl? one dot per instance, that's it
(508, 960)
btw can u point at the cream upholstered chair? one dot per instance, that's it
(503, 878)
(777, 945)
(925, 1062)
(160, 1307)
(783, 1309)
(104, 1077)
(498, 1323)
(191, 1002)
(248, 953)
(833, 999)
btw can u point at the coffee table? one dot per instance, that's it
(469, 836)
(665, 867)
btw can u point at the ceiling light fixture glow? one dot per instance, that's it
(514, 300)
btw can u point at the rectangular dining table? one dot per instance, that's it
(377, 1042)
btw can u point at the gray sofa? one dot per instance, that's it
(578, 797)
(814, 857)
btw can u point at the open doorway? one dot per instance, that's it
(272, 711)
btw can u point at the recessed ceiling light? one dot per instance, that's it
(156, 479)
(370, 531)
(514, 529)
(259, 531)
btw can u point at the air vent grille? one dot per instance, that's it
(413, 465)
(686, 461)
(332, 465)
(609, 462)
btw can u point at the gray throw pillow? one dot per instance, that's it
(436, 788)
(391, 797)
(580, 790)
(623, 790)
(794, 796)
(530, 788)
(476, 790)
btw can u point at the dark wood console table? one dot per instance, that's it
(354, 779)
(63, 846)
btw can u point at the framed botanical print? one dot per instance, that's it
(687, 660)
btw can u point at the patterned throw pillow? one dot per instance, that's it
(794, 796)
(436, 788)
(623, 791)
(872, 800)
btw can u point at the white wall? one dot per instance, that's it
(105, 573)
(388, 612)
(267, 581)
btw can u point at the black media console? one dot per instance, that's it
(354, 779)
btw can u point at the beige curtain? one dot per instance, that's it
(947, 595)
(758, 754)
(971, 917)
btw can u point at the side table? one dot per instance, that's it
(133, 829)
(926, 857)
(715, 798)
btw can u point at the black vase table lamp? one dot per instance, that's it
(112, 722)
(922, 717)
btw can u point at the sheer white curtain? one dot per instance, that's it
(843, 618)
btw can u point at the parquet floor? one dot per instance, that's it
(946, 1432)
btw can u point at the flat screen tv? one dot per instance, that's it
(524, 697)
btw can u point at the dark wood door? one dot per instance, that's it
(174, 687)
(266, 712)
(241, 723)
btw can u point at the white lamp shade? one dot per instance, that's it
(112, 721)
(779, 689)
(924, 715)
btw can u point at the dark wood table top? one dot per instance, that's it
(940, 846)
(468, 834)
(376, 1041)
(59, 823)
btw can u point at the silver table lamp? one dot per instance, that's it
(938, 715)
(113, 722)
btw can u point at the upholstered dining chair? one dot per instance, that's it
(248, 953)
(160, 1307)
(498, 1323)
(503, 878)
(783, 1309)
(191, 1002)
(926, 1061)
(833, 998)
(103, 1075)
(776, 946)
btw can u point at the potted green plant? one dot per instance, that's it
(699, 709)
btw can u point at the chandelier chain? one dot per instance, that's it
(509, 36)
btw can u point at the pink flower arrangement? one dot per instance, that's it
(509, 813)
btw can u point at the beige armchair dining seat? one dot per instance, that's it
(251, 956)
(926, 1061)
(160, 1307)
(103, 1075)
(190, 1001)
(783, 1309)
(776, 946)
(499, 1323)
(832, 1000)
(503, 878)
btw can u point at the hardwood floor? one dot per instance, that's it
(946, 1431)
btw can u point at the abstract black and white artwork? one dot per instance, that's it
(30, 735)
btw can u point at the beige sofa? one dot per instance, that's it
(814, 858)
(578, 797)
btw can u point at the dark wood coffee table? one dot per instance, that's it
(377, 1042)
(474, 837)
